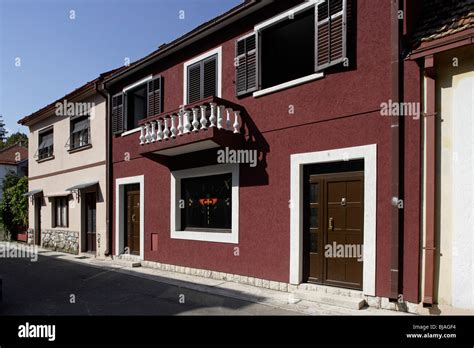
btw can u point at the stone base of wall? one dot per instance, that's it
(372, 301)
(59, 240)
(30, 236)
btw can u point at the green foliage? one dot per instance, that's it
(13, 205)
(15, 138)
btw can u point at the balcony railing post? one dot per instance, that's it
(195, 120)
(174, 130)
(212, 118)
(142, 135)
(187, 124)
(220, 116)
(159, 133)
(203, 120)
(180, 122)
(237, 122)
(228, 122)
(153, 132)
(166, 131)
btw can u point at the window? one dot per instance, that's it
(45, 147)
(141, 100)
(60, 212)
(136, 105)
(293, 47)
(202, 79)
(207, 203)
(288, 49)
(80, 132)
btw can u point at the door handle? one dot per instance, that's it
(331, 224)
(133, 217)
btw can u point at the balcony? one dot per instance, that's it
(209, 123)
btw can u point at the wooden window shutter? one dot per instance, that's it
(117, 113)
(194, 82)
(331, 33)
(246, 65)
(155, 96)
(209, 77)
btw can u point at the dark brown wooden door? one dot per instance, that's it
(333, 224)
(132, 235)
(38, 202)
(90, 223)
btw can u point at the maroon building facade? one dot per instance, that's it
(255, 145)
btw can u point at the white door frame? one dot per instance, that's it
(369, 154)
(120, 208)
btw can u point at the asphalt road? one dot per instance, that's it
(51, 286)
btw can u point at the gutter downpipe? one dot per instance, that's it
(108, 240)
(395, 157)
(430, 183)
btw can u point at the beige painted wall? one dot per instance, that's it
(63, 160)
(454, 103)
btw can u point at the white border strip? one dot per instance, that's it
(138, 83)
(369, 154)
(288, 84)
(175, 222)
(119, 212)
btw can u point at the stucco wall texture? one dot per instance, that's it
(340, 110)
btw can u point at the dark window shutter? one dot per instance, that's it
(117, 113)
(331, 33)
(209, 78)
(246, 65)
(194, 82)
(155, 96)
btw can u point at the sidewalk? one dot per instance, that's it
(272, 298)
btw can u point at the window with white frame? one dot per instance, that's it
(205, 203)
(292, 46)
(202, 76)
(136, 102)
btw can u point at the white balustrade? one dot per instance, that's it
(220, 116)
(142, 135)
(148, 133)
(203, 119)
(153, 132)
(183, 123)
(195, 120)
(236, 124)
(166, 131)
(180, 122)
(187, 124)
(213, 118)
(228, 122)
(159, 132)
(174, 130)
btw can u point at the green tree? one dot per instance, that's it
(3, 131)
(13, 205)
(16, 138)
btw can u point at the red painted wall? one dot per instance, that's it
(340, 110)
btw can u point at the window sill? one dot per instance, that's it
(288, 84)
(45, 159)
(131, 131)
(80, 148)
(230, 237)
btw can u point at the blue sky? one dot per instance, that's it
(58, 54)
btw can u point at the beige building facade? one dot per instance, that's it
(67, 182)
